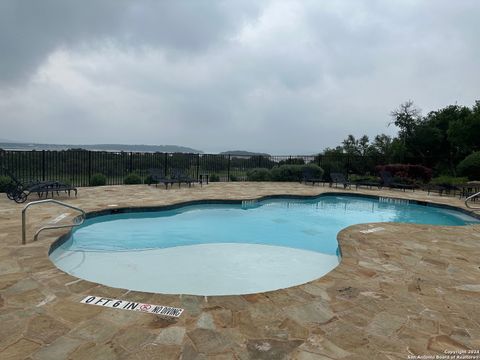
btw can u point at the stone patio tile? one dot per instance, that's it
(320, 345)
(385, 324)
(21, 286)
(227, 302)
(7, 280)
(209, 341)
(305, 355)
(59, 349)
(81, 286)
(45, 329)
(23, 299)
(132, 338)
(222, 318)
(314, 312)
(441, 343)
(172, 335)
(294, 330)
(19, 350)
(227, 356)
(11, 329)
(89, 351)
(93, 330)
(270, 349)
(205, 321)
(153, 352)
(73, 311)
(192, 304)
(8, 266)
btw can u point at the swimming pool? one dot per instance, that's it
(228, 248)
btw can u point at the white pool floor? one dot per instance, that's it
(205, 269)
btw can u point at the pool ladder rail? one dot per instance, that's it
(78, 220)
(470, 199)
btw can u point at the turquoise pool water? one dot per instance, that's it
(220, 249)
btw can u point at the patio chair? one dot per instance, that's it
(181, 177)
(368, 183)
(157, 176)
(441, 189)
(339, 178)
(388, 181)
(19, 191)
(308, 176)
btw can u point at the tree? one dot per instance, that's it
(381, 144)
(464, 132)
(442, 152)
(406, 118)
(354, 146)
(363, 144)
(349, 145)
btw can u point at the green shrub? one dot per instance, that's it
(448, 180)
(98, 180)
(313, 170)
(258, 174)
(132, 179)
(214, 178)
(470, 166)
(332, 166)
(233, 178)
(5, 183)
(295, 172)
(286, 173)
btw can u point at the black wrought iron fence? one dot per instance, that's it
(78, 166)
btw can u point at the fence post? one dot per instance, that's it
(228, 170)
(165, 158)
(198, 166)
(89, 166)
(130, 163)
(43, 166)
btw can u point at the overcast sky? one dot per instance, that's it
(281, 77)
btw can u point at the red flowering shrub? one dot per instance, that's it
(407, 171)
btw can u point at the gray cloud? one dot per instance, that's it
(281, 77)
(30, 29)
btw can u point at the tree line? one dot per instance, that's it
(439, 140)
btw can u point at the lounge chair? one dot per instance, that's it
(367, 182)
(388, 181)
(19, 191)
(339, 178)
(181, 177)
(308, 177)
(441, 189)
(157, 176)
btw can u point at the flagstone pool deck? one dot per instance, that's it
(406, 290)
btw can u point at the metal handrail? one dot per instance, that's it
(24, 218)
(470, 198)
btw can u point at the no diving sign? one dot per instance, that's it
(133, 306)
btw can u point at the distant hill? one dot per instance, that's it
(243, 153)
(98, 147)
